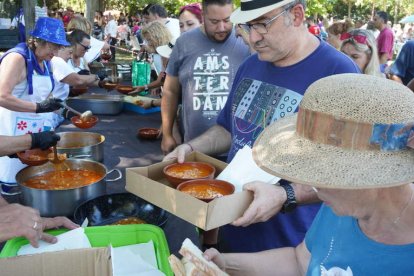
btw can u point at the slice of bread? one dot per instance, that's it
(194, 255)
(176, 265)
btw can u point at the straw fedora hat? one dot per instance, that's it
(252, 9)
(352, 131)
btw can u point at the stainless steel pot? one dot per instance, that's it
(86, 145)
(52, 203)
(98, 104)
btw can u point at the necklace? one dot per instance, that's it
(397, 219)
(379, 237)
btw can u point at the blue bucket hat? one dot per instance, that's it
(50, 30)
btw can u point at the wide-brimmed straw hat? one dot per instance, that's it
(166, 50)
(352, 131)
(50, 30)
(252, 9)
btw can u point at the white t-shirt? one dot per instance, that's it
(82, 65)
(173, 25)
(95, 50)
(60, 71)
(111, 29)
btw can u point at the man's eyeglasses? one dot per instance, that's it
(85, 47)
(262, 28)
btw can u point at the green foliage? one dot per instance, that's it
(358, 8)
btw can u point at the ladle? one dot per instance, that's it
(56, 159)
(84, 116)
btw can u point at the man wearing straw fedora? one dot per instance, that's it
(268, 86)
(352, 142)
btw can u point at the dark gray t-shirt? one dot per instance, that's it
(205, 70)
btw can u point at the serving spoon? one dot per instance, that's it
(56, 159)
(83, 116)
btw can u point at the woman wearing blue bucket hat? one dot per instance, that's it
(26, 82)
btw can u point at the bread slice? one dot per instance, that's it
(176, 265)
(194, 255)
(191, 269)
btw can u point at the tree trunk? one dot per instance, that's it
(349, 8)
(92, 6)
(29, 15)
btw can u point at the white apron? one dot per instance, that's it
(14, 123)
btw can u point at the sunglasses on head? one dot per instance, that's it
(358, 38)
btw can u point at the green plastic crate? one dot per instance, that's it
(116, 235)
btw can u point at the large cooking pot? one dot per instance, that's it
(98, 104)
(113, 208)
(86, 145)
(52, 203)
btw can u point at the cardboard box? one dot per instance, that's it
(87, 262)
(150, 184)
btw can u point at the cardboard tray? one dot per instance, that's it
(102, 236)
(150, 184)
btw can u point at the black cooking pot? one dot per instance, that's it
(108, 209)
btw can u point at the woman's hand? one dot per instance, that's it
(213, 255)
(20, 221)
(56, 222)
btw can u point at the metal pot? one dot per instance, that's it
(52, 203)
(86, 145)
(98, 104)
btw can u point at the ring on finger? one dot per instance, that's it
(35, 225)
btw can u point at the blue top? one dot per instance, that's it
(337, 244)
(32, 64)
(403, 66)
(261, 94)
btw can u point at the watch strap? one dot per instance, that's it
(290, 203)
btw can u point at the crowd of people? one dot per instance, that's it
(324, 106)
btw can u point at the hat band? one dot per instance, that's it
(327, 129)
(257, 4)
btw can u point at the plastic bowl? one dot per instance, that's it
(180, 172)
(110, 85)
(78, 90)
(148, 133)
(90, 122)
(206, 189)
(34, 157)
(124, 89)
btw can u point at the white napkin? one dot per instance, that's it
(73, 239)
(242, 169)
(136, 259)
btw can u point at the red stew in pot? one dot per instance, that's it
(62, 180)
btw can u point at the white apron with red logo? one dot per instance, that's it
(18, 123)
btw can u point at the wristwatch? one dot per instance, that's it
(290, 203)
(146, 87)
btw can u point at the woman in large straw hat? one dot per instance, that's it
(26, 82)
(350, 142)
